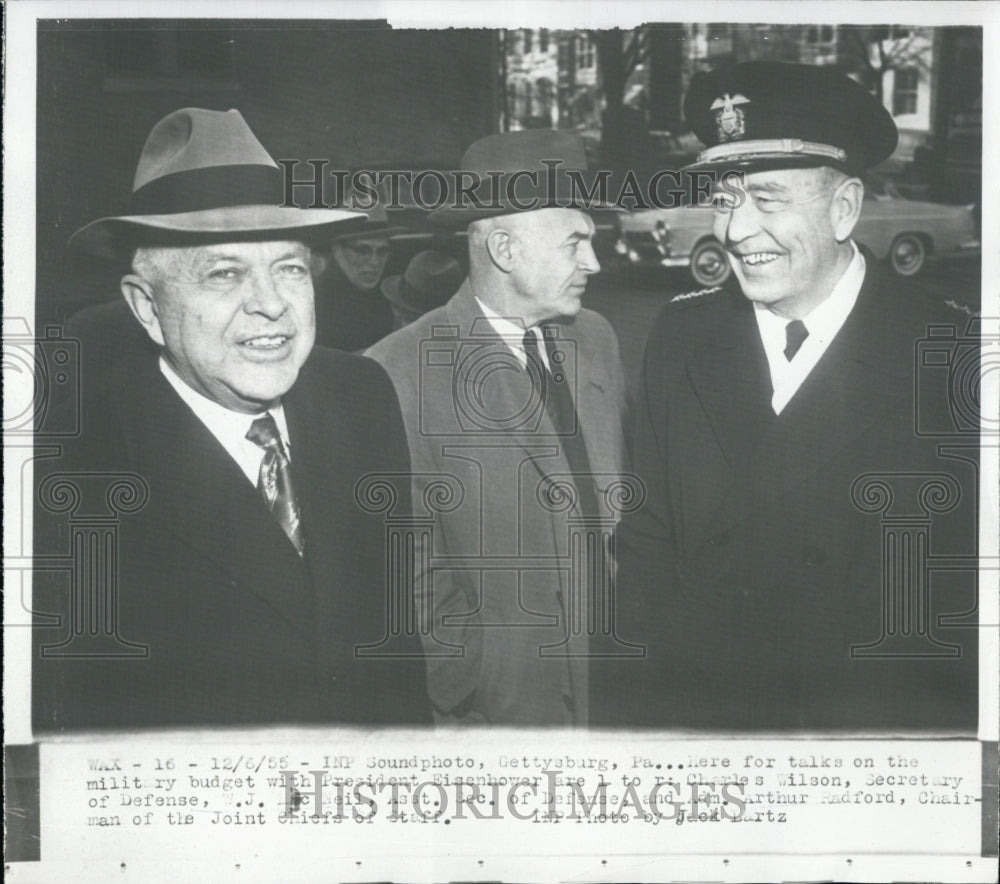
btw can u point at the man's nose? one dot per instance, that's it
(741, 222)
(588, 262)
(264, 297)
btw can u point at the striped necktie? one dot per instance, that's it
(275, 479)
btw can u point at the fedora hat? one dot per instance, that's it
(204, 176)
(429, 280)
(377, 222)
(518, 172)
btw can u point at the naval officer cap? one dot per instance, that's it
(763, 115)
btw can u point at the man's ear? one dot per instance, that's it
(499, 245)
(318, 262)
(140, 298)
(846, 207)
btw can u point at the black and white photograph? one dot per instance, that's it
(452, 445)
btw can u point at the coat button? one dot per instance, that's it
(569, 703)
(720, 540)
(813, 555)
(559, 596)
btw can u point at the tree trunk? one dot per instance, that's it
(666, 77)
(611, 68)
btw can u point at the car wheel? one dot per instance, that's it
(907, 254)
(710, 264)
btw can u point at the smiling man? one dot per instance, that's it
(513, 393)
(247, 573)
(772, 415)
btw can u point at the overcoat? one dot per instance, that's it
(813, 569)
(216, 618)
(508, 601)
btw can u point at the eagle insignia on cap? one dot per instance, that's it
(729, 117)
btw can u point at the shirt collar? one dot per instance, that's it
(826, 318)
(509, 330)
(229, 427)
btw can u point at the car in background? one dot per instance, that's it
(903, 232)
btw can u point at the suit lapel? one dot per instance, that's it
(321, 483)
(730, 376)
(731, 380)
(200, 494)
(592, 387)
(495, 393)
(863, 373)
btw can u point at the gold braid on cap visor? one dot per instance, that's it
(742, 150)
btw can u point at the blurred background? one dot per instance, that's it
(363, 95)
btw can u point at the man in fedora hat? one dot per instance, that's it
(247, 574)
(778, 442)
(430, 279)
(350, 313)
(513, 398)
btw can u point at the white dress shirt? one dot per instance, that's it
(512, 335)
(823, 323)
(229, 427)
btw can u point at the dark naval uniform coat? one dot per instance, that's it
(780, 571)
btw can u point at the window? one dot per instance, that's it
(819, 34)
(546, 97)
(904, 91)
(527, 40)
(521, 106)
(543, 40)
(584, 52)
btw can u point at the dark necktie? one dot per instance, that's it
(554, 389)
(795, 334)
(275, 480)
